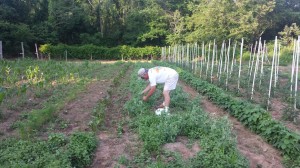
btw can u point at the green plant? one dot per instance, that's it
(58, 151)
(98, 115)
(57, 140)
(35, 120)
(123, 160)
(80, 148)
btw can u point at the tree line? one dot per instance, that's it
(139, 23)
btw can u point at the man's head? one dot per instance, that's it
(143, 73)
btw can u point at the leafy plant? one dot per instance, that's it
(80, 148)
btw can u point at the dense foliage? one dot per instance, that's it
(98, 52)
(58, 151)
(139, 23)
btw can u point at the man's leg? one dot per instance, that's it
(170, 84)
(166, 94)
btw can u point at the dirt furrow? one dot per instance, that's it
(117, 143)
(77, 113)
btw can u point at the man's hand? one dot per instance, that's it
(145, 98)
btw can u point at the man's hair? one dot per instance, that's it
(142, 72)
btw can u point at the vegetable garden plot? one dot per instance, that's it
(156, 132)
(59, 150)
(254, 117)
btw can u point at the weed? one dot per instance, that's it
(123, 160)
(63, 124)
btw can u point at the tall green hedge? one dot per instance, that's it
(99, 52)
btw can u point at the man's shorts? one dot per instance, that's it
(171, 82)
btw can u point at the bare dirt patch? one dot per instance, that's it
(181, 146)
(113, 147)
(77, 113)
(253, 147)
(277, 108)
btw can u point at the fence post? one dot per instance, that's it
(66, 55)
(23, 55)
(36, 51)
(1, 52)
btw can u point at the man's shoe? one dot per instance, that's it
(161, 111)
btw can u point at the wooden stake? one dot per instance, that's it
(212, 61)
(240, 67)
(233, 58)
(256, 67)
(271, 77)
(227, 65)
(293, 67)
(296, 78)
(207, 63)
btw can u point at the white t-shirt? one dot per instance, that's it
(160, 75)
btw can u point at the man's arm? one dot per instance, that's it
(151, 91)
(146, 89)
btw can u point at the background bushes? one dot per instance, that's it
(60, 51)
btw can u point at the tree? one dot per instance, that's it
(289, 34)
(177, 29)
(68, 19)
(285, 12)
(14, 11)
(148, 25)
(220, 19)
(12, 36)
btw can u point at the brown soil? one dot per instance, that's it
(277, 108)
(252, 146)
(77, 113)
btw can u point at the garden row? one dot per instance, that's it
(254, 117)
